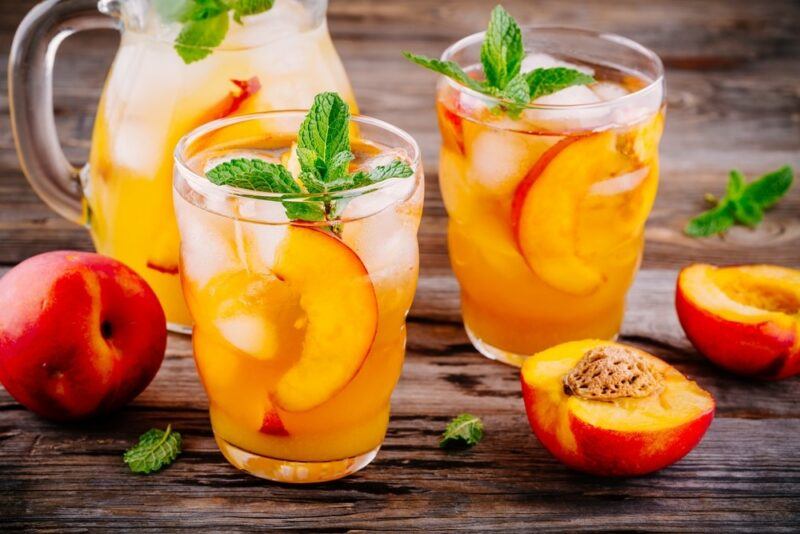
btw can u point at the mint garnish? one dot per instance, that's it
(323, 150)
(501, 57)
(743, 203)
(155, 450)
(205, 22)
(465, 430)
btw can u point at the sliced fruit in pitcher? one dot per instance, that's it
(163, 255)
(341, 310)
(273, 425)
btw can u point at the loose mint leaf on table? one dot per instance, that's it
(205, 22)
(743, 203)
(465, 430)
(323, 151)
(155, 450)
(502, 53)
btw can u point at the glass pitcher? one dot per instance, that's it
(277, 59)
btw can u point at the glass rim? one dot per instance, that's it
(471, 39)
(204, 185)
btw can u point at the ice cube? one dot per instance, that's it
(620, 184)
(608, 90)
(207, 243)
(261, 243)
(571, 96)
(498, 160)
(250, 334)
(538, 60)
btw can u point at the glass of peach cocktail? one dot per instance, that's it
(547, 201)
(180, 64)
(300, 297)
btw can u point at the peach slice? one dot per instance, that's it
(273, 425)
(745, 319)
(546, 207)
(341, 310)
(612, 410)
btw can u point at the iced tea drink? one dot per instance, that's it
(299, 332)
(547, 205)
(275, 60)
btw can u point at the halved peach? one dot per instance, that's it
(745, 319)
(612, 410)
(575, 182)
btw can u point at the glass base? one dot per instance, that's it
(292, 472)
(494, 353)
(176, 328)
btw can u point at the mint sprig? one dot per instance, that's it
(744, 203)
(155, 450)
(502, 53)
(323, 150)
(465, 430)
(205, 22)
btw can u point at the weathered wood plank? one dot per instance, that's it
(734, 101)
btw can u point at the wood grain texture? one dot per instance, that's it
(734, 101)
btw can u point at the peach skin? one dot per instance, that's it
(80, 334)
(612, 410)
(746, 319)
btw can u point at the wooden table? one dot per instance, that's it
(734, 101)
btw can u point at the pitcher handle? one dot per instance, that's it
(30, 87)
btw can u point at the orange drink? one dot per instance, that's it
(299, 332)
(180, 64)
(547, 201)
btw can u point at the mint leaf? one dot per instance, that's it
(770, 188)
(395, 169)
(242, 8)
(542, 82)
(304, 211)
(326, 129)
(198, 38)
(502, 53)
(743, 203)
(155, 450)
(254, 174)
(713, 221)
(465, 430)
(747, 212)
(324, 155)
(502, 50)
(736, 185)
(205, 22)
(447, 68)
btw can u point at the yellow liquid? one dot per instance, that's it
(518, 304)
(260, 298)
(150, 101)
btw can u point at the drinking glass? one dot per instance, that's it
(547, 205)
(299, 328)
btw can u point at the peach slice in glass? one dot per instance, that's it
(341, 310)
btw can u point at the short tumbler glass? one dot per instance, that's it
(300, 331)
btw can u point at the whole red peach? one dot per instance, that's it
(80, 334)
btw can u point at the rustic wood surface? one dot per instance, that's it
(734, 101)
